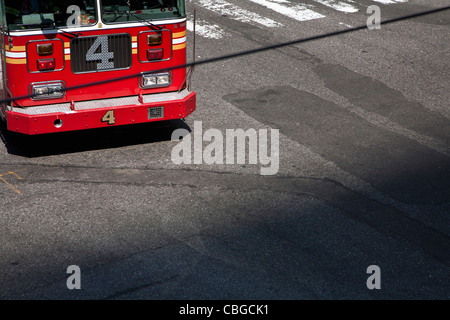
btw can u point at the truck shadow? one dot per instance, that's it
(85, 140)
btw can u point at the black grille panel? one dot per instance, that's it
(100, 53)
(155, 113)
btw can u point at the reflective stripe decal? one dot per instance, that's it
(16, 61)
(179, 34)
(18, 48)
(179, 46)
(179, 40)
(16, 54)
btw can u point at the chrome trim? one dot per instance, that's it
(103, 103)
(141, 81)
(43, 83)
(45, 40)
(154, 31)
(106, 70)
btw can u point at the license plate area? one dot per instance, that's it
(155, 113)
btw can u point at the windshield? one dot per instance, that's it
(36, 14)
(120, 11)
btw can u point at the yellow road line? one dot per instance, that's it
(9, 184)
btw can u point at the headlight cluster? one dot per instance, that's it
(48, 90)
(156, 80)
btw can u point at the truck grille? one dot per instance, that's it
(155, 113)
(100, 53)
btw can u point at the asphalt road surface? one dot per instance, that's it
(359, 173)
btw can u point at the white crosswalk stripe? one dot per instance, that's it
(206, 29)
(298, 11)
(226, 8)
(389, 1)
(338, 5)
(290, 9)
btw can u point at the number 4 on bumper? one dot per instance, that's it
(109, 117)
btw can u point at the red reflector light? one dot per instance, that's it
(46, 64)
(155, 54)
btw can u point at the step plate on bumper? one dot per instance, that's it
(101, 113)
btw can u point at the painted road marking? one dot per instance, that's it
(338, 5)
(223, 7)
(297, 11)
(206, 29)
(9, 184)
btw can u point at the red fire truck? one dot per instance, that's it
(72, 64)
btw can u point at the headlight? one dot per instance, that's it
(149, 81)
(163, 79)
(156, 80)
(47, 90)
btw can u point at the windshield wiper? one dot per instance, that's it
(139, 19)
(50, 25)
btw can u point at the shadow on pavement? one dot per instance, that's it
(92, 139)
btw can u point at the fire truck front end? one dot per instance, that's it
(74, 65)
